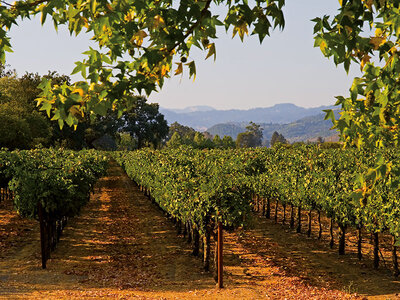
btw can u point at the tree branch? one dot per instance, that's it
(6, 3)
(193, 27)
(21, 3)
(37, 2)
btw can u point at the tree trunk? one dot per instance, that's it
(51, 241)
(298, 229)
(184, 229)
(309, 223)
(178, 227)
(268, 213)
(342, 239)
(54, 233)
(220, 256)
(359, 242)
(257, 203)
(291, 216)
(276, 212)
(284, 214)
(215, 236)
(376, 250)
(42, 223)
(331, 242)
(320, 225)
(206, 251)
(196, 242)
(189, 231)
(201, 247)
(394, 258)
(263, 206)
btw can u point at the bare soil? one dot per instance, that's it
(13, 228)
(123, 247)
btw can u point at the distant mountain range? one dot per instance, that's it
(190, 109)
(293, 122)
(305, 129)
(203, 117)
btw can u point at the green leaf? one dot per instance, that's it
(330, 115)
(192, 69)
(211, 51)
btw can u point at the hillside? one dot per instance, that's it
(201, 118)
(307, 128)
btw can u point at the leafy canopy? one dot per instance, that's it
(140, 43)
(252, 137)
(367, 33)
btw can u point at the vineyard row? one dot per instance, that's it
(202, 187)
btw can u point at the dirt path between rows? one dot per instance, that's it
(122, 247)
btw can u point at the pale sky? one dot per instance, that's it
(285, 68)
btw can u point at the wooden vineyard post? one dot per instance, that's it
(220, 256)
(42, 235)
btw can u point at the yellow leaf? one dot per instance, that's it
(365, 59)
(130, 16)
(211, 51)
(377, 41)
(379, 32)
(323, 46)
(92, 87)
(368, 3)
(39, 101)
(348, 29)
(79, 91)
(76, 112)
(179, 70)
(85, 23)
(138, 37)
(240, 28)
(158, 21)
(164, 70)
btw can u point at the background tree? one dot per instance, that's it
(208, 135)
(187, 133)
(217, 141)
(228, 142)
(244, 140)
(175, 141)
(145, 123)
(126, 142)
(256, 130)
(277, 138)
(22, 126)
(202, 141)
(252, 137)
